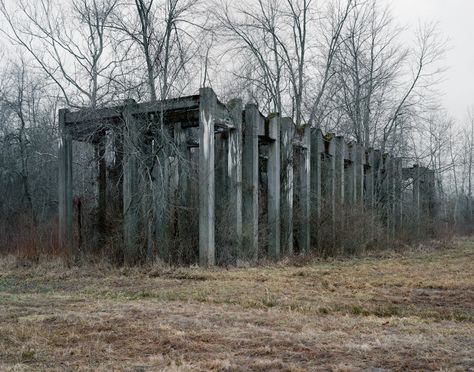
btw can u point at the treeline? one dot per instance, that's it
(345, 66)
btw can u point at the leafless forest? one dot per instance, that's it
(347, 67)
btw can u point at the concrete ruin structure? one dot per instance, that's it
(257, 183)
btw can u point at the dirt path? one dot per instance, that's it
(412, 311)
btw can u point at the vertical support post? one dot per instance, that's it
(369, 194)
(330, 174)
(416, 196)
(390, 168)
(102, 182)
(304, 187)
(350, 174)
(273, 175)
(286, 207)
(377, 172)
(431, 190)
(222, 209)
(359, 169)
(250, 181)
(387, 194)
(161, 192)
(398, 189)
(65, 186)
(317, 150)
(234, 169)
(207, 116)
(182, 185)
(131, 193)
(339, 155)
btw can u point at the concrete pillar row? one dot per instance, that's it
(302, 169)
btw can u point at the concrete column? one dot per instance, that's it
(369, 185)
(329, 174)
(132, 223)
(222, 211)
(317, 151)
(339, 155)
(369, 192)
(234, 170)
(350, 173)
(304, 187)
(250, 182)
(360, 162)
(181, 186)
(286, 201)
(398, 189)
(431, 192)
(273, 194)
(65, 186)
(427, 192)
(377, 173)
(416, 195)
(161, 192)
(102, 183)
(383, 189)
(389, 190)
(207, 117)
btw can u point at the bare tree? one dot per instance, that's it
(379, 82)
(332, 27)
(70, 45)
(162, 30)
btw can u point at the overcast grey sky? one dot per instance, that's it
(456, 21)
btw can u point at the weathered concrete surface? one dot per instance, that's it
(303, 180)
(273, 175)
(317, 151)
(298, 172)
(131, 191)
(287, 178)
(251, 128)
(369, 183)
(207, 117)
(234, 171)
(339, 179)
(329, 175)
(350, 171)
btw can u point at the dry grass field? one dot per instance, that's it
(410, 311)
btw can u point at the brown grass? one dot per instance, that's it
(396, 311)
